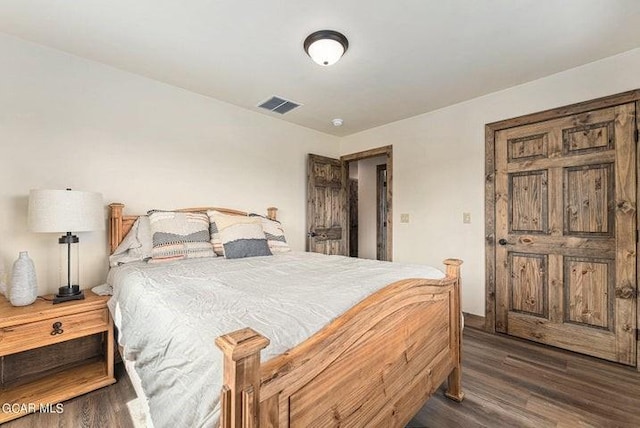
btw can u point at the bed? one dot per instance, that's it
(372, 363)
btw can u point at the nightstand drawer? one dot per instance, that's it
(53, 330)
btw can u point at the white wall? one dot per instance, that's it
(439, 163)
(368, 207)
(353, 170)
(69, 122)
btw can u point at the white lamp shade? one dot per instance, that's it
(65, 211)
(326, 51)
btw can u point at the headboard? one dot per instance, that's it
(120, 225)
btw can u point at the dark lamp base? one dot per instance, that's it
(68, 293)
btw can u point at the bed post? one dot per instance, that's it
(272, 213)
(454, 384)
(115, 231)
(240, 393)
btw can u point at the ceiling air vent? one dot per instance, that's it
(279, 105)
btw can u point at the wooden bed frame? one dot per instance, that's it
(375, 365)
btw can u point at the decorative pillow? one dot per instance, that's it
(215, 235)
(274, 233)
(137, 245)
(241, 236)
(179, 235)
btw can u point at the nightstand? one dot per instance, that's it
(51, 353)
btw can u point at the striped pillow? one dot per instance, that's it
(178, 235)
(241, 236)
(274, 233)
(215, 235)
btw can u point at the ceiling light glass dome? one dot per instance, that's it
(326, 47)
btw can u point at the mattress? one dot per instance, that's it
(170, 314)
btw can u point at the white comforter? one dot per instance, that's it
(170, 314)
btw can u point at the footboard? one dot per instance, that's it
(373, 366)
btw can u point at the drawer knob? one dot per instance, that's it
(57, 328)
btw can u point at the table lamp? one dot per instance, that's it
(66, 211)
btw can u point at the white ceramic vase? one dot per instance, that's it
(24, 286)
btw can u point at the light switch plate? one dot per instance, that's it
(466, 217)
(404, 218)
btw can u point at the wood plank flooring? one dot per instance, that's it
(507, 382)
(514, 383)
(103, 408)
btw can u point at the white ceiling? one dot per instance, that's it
(405, 57)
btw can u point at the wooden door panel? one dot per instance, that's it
(589, 291)
(326, 205)
(589, 194)
(529, 202)
(327, 174)
(588, 138)
(565, 221)
(529, 292)
(529, 147)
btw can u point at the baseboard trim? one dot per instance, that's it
(474, 321)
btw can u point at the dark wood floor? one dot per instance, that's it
(104, 408)
(514, 383)
(507, 382)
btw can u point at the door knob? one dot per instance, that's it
(502, 241)
(312, 234)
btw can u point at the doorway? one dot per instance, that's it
(328, 201)
(369, 203)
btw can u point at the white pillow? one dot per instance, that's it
(136, 245)
(274, 233)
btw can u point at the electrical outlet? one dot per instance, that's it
(404, 218)
(466, 217)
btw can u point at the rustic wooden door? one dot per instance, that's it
(566, 232)
(326, 206)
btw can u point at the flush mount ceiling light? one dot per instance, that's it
(326, 47)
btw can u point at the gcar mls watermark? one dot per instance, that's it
(32, 407)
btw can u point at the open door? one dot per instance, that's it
(326, 206)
